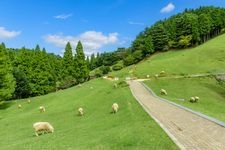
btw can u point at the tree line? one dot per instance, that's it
(187, 29)
(31, 72)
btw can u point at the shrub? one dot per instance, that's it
(117, 67)
(105, 69)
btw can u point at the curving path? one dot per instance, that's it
(187, 130)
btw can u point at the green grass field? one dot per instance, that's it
(131, 128)
(211, 93)
(206, 58)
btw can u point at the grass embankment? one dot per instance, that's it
(211, 93)
(206, 58)
(130, 128)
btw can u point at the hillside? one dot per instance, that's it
(130, 128)
(206, 58)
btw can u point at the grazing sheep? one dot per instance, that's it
(196, 98)
(115, 108)
(163, 92)
(40, 127)
(156, 75)
(42, 109)
(148, 76)
(115, 85)
(116, 79)
(28, 101)
(81, 111)
(192, 99)
(19, 106)
(162, 72)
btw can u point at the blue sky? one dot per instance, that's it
(101, 25)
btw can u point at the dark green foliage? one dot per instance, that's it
(117, 67)
(82, 71)
(122, 84)
(7, 81)
(159, 37)
(186, 29)
(68, 62)
(105, 69)
(129, 60)
(23, 88)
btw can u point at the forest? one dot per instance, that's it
(32, 72)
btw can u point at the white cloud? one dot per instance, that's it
(63, 16)
(6, 34)
(168, 8)
(136, 23)
(91, 40)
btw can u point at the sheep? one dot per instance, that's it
(19, 106)
(28, 101)
(115, 108)
(116, 79)
(42, 109)
(162, 73)
(192, 99)
(196, 98)
(115, 85)
(81, 111)
(163, 92)
(148, 76)
(42, 127)
(156, 75)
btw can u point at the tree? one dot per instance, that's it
(22, 89)
(204, 26)
(68, 62)
(7, 81)
(159, 37)
(82, 69)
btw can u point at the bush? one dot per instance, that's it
(117, 67)
(129, 60)
(122, 84)
(105, 69)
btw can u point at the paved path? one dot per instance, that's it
(187, 130)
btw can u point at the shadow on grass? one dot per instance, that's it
(216, 88)
(5, 105)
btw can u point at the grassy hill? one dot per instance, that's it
(206, 58)
(130, 128)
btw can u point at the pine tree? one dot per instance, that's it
(7, 81)
(82, 68)
(68, 62)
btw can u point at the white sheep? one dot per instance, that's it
(196, 98)
(156, 75)
(42, 109)
(192, 99)
(19, 106)
(115, 108)
(148, 76)
(28, 101)
(81, 111)
(116, 79)
(115, 85)
(40, 127)
(163, 92)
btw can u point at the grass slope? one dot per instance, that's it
(211, 93)
(206, 58)
(131, 128)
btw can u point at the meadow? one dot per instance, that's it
(210, 92)
(130, 128)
